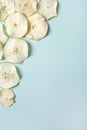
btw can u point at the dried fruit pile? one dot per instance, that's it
(20, 18)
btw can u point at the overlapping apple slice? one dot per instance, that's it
(6, 8)
(38, 27)
(48, 8)
(16, 25)
(27, 7)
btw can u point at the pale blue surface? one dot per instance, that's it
(52, 94)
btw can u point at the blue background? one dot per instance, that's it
(52, 94)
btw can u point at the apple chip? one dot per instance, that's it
(16, 25)
(27, 7)
(16, 50)
(7, 97)
(48, 8)
(8, 75)
(38, 27)
(6, 8)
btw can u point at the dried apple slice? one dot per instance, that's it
(38, 27)
(6, 102)
(16, 25)
(7, 97)
(48, 8)
(7, 93)
(8, 75)
(3, 37)
(27, 7)
(16, 50)
(6, 8)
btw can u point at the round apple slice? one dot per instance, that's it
(8, 75)
(6, 8)
(7, 94)
(16, 25)
(6, 102)
(3, 37)
(27, 7)
(38, 27)
(7, 97)
(1, 51)
(16, 50)
(48, 8)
